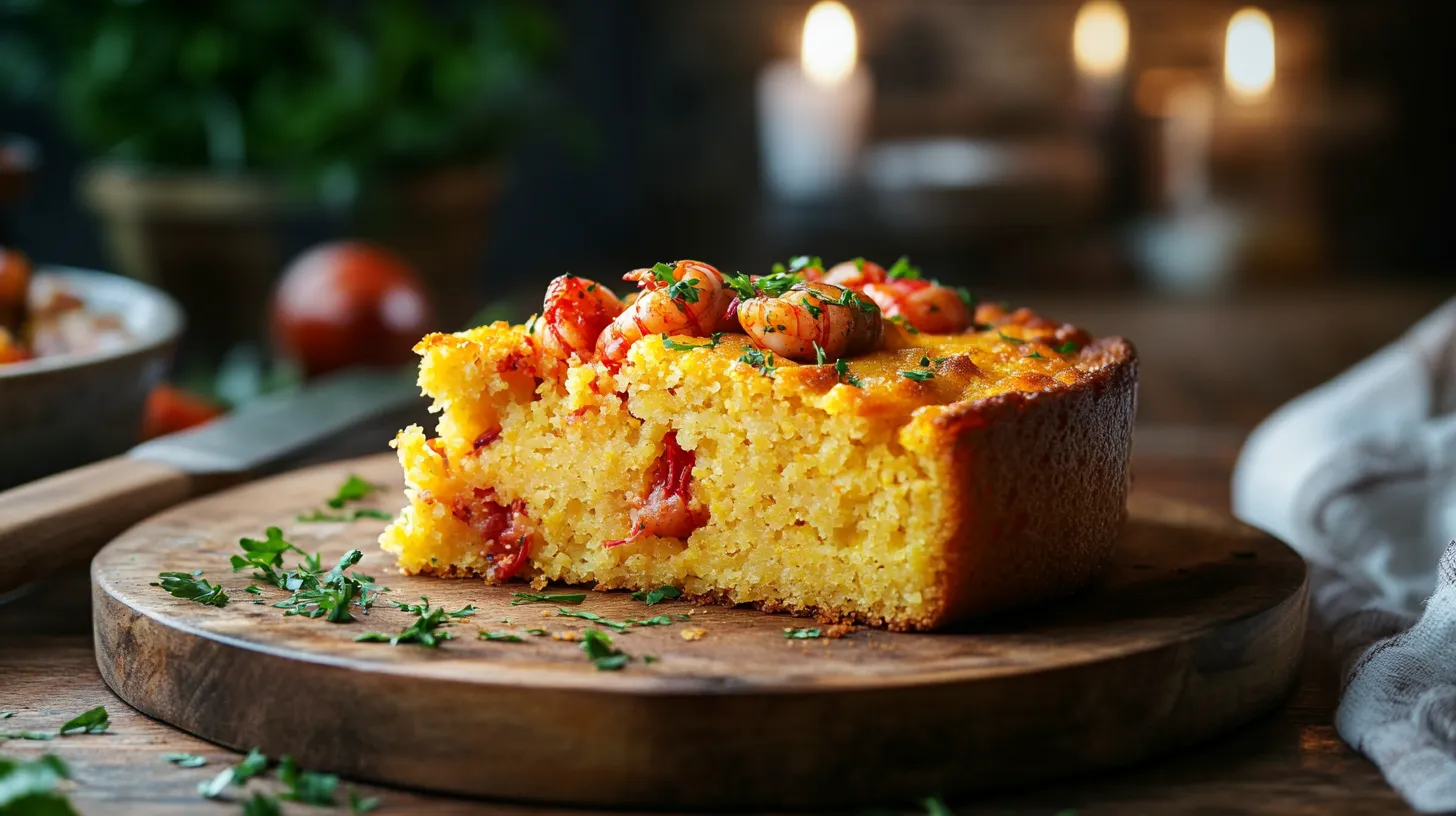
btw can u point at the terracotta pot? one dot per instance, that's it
(208, 240)
(439, 220)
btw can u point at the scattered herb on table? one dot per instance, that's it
(329, 596)
(265, 556)
(94, 721)
(537, 632)
(605, 656)
(362, 804)
(504, 637)
(185, 760)
(649, 658)
(426, 629)
(618, 626)
(307, 787)
(652, 597)
(934, 806)
(518, 598)
(918, 376)
(30, 787)
(5, 715)
(26, 735)
(191, 586)
(252, 765)
(353, 489)
(803, 633)
(261, 805)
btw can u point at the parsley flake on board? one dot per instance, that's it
(903, 270)
(918, 376)
(673, 345)
(27, 735)
(262, 805)
(329, 596)
(95, 721)
(649, 658)
(652, 597)
(934, 806)
(192, 587)
(504, 637)
(802, 633)
(518, 598)
(425, 630)
(605, 656)
(538, 632)
(5, 715)
(185, 760)
(265, 557)
(1067, 348)
(362, 804)
(354, 488)
(30, 787)
(363, 512)
(660, 620)
(618, 626)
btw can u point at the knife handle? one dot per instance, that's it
(64, 519)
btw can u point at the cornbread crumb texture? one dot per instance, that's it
(815, 494)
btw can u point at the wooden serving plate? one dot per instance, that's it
(1196, 628)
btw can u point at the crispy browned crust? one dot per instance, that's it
(1039, 497)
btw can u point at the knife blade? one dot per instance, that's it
(63, 519)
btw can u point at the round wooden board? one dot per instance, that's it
(1196, 628)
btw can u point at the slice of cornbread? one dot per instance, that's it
(940, 476)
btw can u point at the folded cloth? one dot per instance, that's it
(1359, 475)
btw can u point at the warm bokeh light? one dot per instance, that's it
(830, 46)
(1099, 39)
(1248, 55)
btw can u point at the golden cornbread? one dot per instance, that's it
(863, 496)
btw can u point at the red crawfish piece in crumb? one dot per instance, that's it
(667, 509)
(506, 532)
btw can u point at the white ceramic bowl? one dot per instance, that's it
(60, 412)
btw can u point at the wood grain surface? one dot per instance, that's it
(1196, 629)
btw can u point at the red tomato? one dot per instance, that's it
(170, 409)
(349, 303)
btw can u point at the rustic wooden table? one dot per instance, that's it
(1289, 762)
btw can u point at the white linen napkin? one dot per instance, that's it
(1359, 475)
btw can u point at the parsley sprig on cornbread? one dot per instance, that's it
(851, 440)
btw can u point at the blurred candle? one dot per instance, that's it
(1099, 40)
(1248, 55)
(812, 114)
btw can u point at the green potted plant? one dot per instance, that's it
(204, 120)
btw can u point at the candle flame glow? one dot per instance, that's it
(1248, 55)
(830, 46)
(1099, 39)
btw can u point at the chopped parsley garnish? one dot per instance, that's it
(849, 297)
(518, 598)
(1015, 341)
(925, 359)
(504, 637)
(307, 787)
(814, 311)
(94, 721)
(673, 345)
(652, 597)
(1068, 347)
(799, 263)
(355, 515)
(605, 656)
(425, 631)
(30, 787)
(185, 760)
(192, 587)
(660, 620)
(264, 556)
(778, 283)
(842, 369)
(353, 489)
(819, 357)
(858, 264)
(801, 633)
(760, 360)
(741, 284)
(904, 324)
(685, 291)
(966, 297)
(618, 626)
(1035, 355)
(918, 376)
(26, 735)
(903, 270)
(331, 595)
(663, 272)
(252, 765)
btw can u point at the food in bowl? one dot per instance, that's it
(859, 443)
(44, 317)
